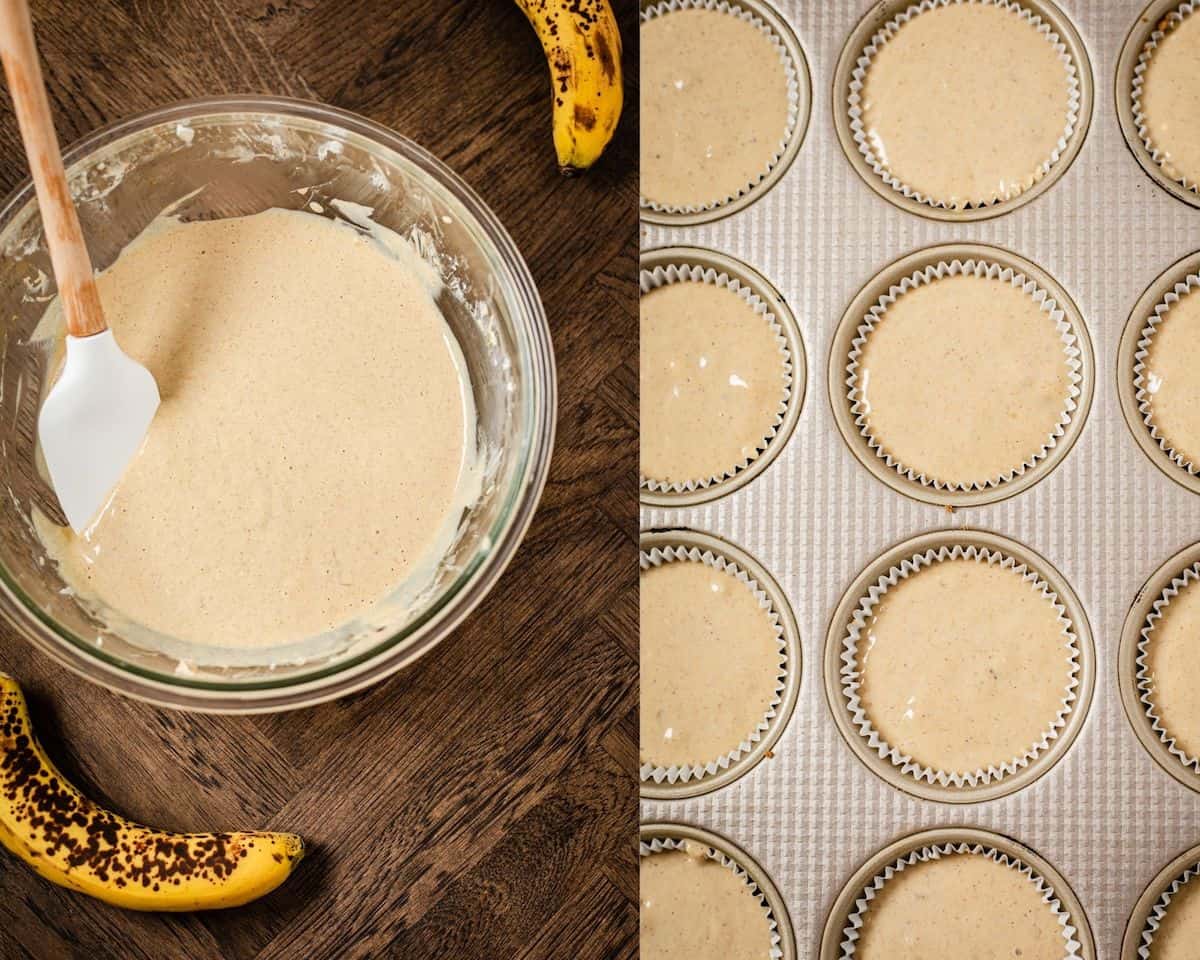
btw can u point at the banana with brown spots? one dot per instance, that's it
(73, 842)
(583, 47)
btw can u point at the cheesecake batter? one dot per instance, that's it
(714, 106)
(1179, 930)
(710, 662)
(962, 905)
(964, 666)
(1171, 101)
(712, 382)
(965, 103)
(1173, 668)
(963, 379)
(315, 439)
(696, 908)
(1172, 377)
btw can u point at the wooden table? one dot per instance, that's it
(482, 802)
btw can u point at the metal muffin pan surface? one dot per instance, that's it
(1106, 816)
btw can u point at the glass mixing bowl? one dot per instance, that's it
(232, 156)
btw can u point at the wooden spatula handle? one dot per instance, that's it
(68, 254)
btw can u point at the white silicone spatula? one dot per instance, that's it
(96, 415)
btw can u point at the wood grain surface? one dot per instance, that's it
(482, 803)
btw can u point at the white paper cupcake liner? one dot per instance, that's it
(1159, 910)
(1165, 26)
(791, 71)
(1142, 393)
(684, 272)
(977, 268)
(688, 773)
(667, 844)
(851, 676)
(854, 922)
(1144, 681)
(885, 34)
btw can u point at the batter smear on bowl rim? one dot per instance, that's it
(315, 446)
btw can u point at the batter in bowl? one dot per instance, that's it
(696, 908)
(315, 446)
(962, 905)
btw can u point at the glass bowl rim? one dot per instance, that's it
(478, 576)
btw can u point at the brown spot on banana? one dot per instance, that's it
(585, 117)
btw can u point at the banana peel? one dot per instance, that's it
(79, 845)
(583, 49)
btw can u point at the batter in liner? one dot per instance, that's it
(964, 665)
(966, 103)
(1172, 377)
(1171, 101)
(961, 905)
(1173, 667)
(315, 439)
(696, 908)
(712, 382)
(963, 379)
(1179, 930)
(714, 106)
(710, 663)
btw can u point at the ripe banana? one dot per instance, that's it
(583, 47)
(71, 841)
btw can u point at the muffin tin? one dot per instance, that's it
(1105, 816)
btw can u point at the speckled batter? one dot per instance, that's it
(312, 438)
(966, 103)
(964, 379)
(1173, 667)
(1179, 932)
(964, 665)
(712, 381)
(1172, 376)
(714, 106)
(696, 908)
(962, 905)
(710, 663)
(1171, 101)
